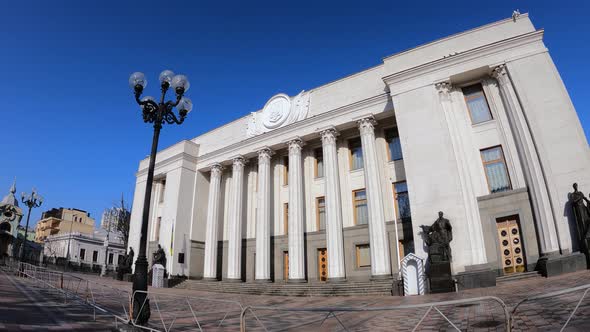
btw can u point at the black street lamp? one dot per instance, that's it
(32, 201)
(158, 114)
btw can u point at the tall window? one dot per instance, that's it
(110, 258)
(363, 255)
(82, 254)
(477, 103)
(158, 222)
(319, 162)
(402, 200)
(320, 205)
(361, 212)
(495, 168)
(285, 170)
(393, 144)
(95, 256)
(162, 191)
(356, 153)
(286, 217)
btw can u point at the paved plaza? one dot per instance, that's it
(183, 310)
(543, 314)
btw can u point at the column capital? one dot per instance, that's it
(444, 90)
(216, 169)
(239, 161)
(366, 124)
(295, 144)
(265, 153)
(500, 73)
(329, 135)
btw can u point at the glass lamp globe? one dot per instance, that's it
(180, 81)
(185, 104)
(137, 78)
(166, 76)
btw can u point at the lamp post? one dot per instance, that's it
(158, 114)
(31, 201)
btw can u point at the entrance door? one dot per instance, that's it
(510, 245)
(285, 265)
(323, 264)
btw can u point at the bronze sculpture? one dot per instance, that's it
(438, 237)
(159, 257)
(581, 213)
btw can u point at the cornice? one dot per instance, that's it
(464, 56)
(168, 161)
(454, 36)
(270, 138)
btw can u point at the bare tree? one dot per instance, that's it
(123, 221)
(116, 219)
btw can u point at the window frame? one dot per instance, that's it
(317, 211)
(358, 261)
(483, 93)
(353, 139)
(503, 159)
(389, 157)
(285, 160)
(315, 158)
(286, 218)
(354, 207)
(82, 254)
(95, 252)
(395, 193)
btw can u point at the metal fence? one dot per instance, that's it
(101, 298)
(170, 312)
(411, 317)
(550, 310)
(568, 308)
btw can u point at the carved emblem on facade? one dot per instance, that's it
(279, 111)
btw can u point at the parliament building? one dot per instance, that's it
(333, 184)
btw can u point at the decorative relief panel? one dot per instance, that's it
(279, 111)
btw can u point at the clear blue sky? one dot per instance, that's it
(70, 126)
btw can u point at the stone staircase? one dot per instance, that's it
(518, 277)
(282, 288)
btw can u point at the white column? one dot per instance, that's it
(476, 241)
(234, 231)
(296, 216)
(533, 172)
(380, 263)
(334, 236)
(210, 268)
(263, 216)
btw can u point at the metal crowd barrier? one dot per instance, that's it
(584, 289)
(102, 298)
(332, 312)
(179, 312)
(172, 312)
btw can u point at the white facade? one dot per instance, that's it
(222, 199)
(89, 249)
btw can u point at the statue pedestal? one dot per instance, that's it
(441, 280)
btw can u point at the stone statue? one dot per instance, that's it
(125, 266)
(581, 213)
(438, 238)
(159, 257)
(129, 260)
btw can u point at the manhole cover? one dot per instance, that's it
(487, 323)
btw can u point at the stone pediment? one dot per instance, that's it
(279, 111)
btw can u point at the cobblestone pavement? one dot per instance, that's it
(26, 307)
(177, 306)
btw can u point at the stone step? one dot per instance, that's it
(518, 276)
(378, 288)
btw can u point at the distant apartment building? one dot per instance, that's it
(61, 221)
